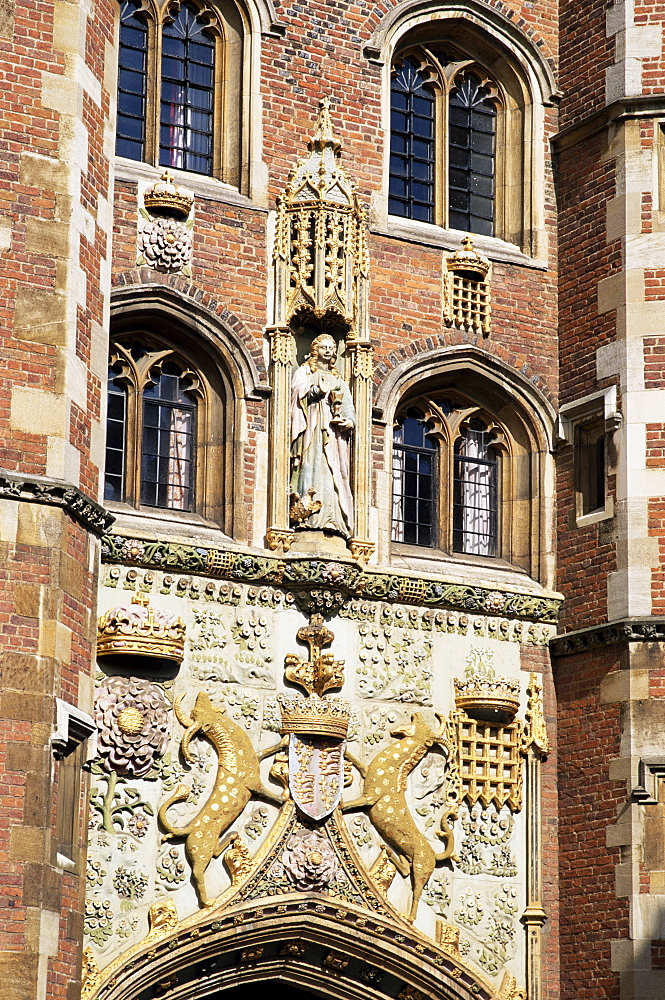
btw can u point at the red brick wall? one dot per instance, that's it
(589, 737)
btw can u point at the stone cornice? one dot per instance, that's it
(40, 489)
(625, 630)
(625, 109)
(325, 584)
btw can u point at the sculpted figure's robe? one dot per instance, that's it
(319, 451)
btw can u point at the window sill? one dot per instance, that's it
(176, 525)
(604, 514)
(135, 171)
(458, 567)
(425, 233)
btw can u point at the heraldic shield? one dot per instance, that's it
(316, 773)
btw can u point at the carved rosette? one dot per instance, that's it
(132, 719)
(165, 227)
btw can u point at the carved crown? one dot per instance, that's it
(164, 195)
(468, 262)
(141, 630)
(490, 699)
(315, 716)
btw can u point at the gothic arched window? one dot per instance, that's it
(180, 86)
(443, 142)
(463, 133)
(153, 398)
(446, 477)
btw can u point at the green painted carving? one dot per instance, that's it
(325, 586)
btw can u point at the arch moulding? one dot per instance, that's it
(444, 361)
(410, 13)
(302, 939)
(221, 333)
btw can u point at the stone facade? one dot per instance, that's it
(229, 768)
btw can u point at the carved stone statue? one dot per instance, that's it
(322, 419)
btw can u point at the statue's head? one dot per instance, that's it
(323, 348)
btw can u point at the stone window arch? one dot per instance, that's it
(500, 82)
(169, 428)
(477, 484)
(181, 86)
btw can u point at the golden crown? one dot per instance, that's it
(141, 630)
(468, 262)
(165, 195)
(315, 716)
(491, 699)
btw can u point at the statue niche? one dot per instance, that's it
(322, 421)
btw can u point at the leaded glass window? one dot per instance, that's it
(186, 121)
(471, 139)
(412, 150)
(116, 421)
(475, 492)
(181, 86)
(443, 141)
(169, 414)
(132, 79)
(414, 470)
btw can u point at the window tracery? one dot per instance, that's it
(446, 477)
(153, 396)
(461, 115)
(180, 85)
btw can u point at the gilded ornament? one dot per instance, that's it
(91, 977)
(237, 859)
(384, 797)
(237, 780)
(535, 730)
(447, 936)
(141, 630)
(509, 990)
(165, 195)
(320, 248)
(321, 672)
(411, 993)
(293, 949)
(466, 290)
(335, 960)
(383, 870)
(302, 508)
(251, 954)
(279, 538)
(490, 762)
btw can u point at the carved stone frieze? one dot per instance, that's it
(350, 581)
(39, 489)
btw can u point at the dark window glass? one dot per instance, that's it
(414, 471)
(411, 191)
(475, 493)
(132, 77)
(590, 468)
(169, 416)
(471, 148)
(188, 57)
(116, 424)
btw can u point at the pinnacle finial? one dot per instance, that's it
(324, 129)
